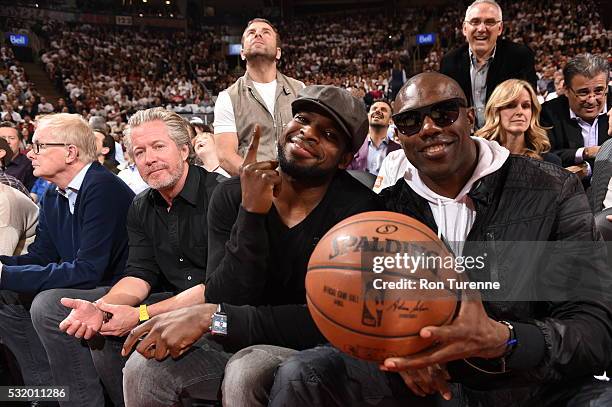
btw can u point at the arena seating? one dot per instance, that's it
(113, 71)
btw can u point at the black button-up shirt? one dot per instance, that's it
(168, 248)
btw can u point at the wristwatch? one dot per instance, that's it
(218, 323)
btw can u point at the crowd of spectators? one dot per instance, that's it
(19, 100)
(114, 71)
(351, 51)
(109, 73)
(166, 9)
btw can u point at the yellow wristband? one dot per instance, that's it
(144, 315)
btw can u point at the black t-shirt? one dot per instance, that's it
(257, 265)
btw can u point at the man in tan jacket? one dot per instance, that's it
(263, 95)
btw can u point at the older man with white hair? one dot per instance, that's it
(486, 60)
(81, 242)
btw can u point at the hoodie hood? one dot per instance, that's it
(455, 216)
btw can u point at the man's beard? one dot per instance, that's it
(308, 175)
(258, 55)
(378, 126)
(173, 178)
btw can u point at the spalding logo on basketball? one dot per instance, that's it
(373, 282)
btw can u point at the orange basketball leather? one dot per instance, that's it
(354, 315)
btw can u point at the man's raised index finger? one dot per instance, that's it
(251, 155)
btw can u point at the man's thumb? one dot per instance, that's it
(69, 302)
(102, 306)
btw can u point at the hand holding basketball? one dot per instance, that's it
(471, 334)
(353, 300)
(259, 181)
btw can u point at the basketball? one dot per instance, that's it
(373, 309)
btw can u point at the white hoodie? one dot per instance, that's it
(455, 217)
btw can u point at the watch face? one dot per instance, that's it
(219, 324)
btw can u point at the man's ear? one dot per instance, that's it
(278, 54)
(72, 153)
(347, 157)
(105, 150)
(471, 116)
(464, 29)
(242, 54)
(184, 152)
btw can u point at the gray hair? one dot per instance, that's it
(179, 129)
(587, 65)
(71, 129)
(477, 2)
(98, 124)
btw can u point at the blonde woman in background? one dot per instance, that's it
(513, 120)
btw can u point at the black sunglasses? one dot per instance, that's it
(442, 113)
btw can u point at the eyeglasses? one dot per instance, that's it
(583, 94)
(489, 22)
(443, 114)
(36, 147)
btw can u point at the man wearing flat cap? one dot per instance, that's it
(263, 227)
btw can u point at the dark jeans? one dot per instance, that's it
(324, 376)
(195, 374)
(30, 328)
(107, 359)
(249, 375)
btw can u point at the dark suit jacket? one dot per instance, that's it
(512, 61)
(360, 160)
(565, 134)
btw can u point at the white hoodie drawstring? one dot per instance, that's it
(463, 223)
(441, 217)
(462, 215)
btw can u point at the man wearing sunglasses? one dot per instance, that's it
(486, 61)
(498, 352)
(579, 120)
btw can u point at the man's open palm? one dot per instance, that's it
(84, 320)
